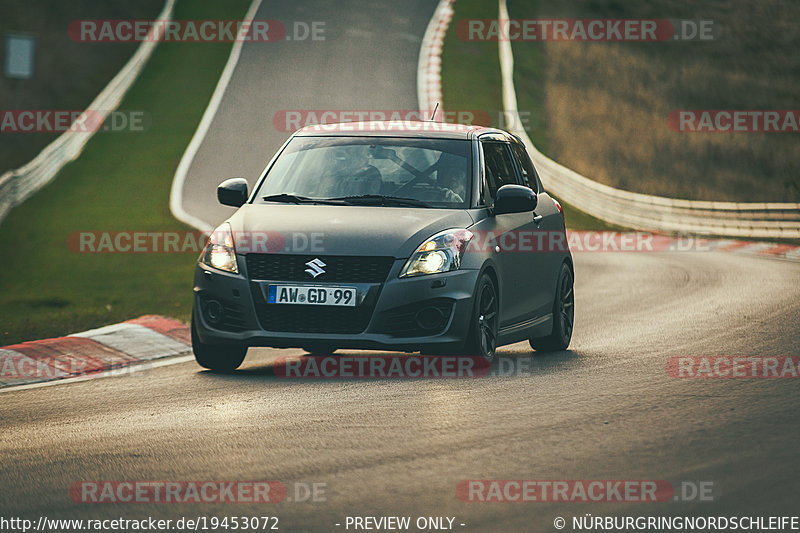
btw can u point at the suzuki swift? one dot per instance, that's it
(417, 236)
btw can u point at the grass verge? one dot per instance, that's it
(120, 183)
(606, 104)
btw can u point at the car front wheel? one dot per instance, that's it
(482, 336)
(563, 316)
(217, 357)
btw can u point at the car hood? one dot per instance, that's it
(339, 230)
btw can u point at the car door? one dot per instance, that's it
(521, 297)
(548, 256)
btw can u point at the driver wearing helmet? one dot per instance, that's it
(451, 177)
(350, 174)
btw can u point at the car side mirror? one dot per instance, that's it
(232, 192)
(514, 199)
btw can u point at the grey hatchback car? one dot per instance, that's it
(417, 236)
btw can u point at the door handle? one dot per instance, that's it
(537, 218)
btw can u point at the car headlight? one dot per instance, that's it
(220, 251)
(440, 253)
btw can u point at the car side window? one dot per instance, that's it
(529, 176)
(498, 168)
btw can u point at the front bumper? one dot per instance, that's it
(410, 314)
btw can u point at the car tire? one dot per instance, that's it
(484, 321)
(319, 350)
(563, 316)
(216, 357)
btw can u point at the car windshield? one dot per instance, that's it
(395, 172)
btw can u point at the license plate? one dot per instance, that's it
(305, 295)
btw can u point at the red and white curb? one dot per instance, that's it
(789, 252)
(429, 65)
(92, 352)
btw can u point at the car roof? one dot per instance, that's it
(401, 128)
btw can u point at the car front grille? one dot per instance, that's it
(313, 319)
(341, 268)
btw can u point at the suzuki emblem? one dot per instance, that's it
(315, 267)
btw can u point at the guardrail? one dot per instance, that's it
(616, 206)
(18, 185)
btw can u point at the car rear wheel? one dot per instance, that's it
(217, 357)
(563, 316)
(482, 337)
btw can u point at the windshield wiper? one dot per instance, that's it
(294, 199)
(380, 199)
